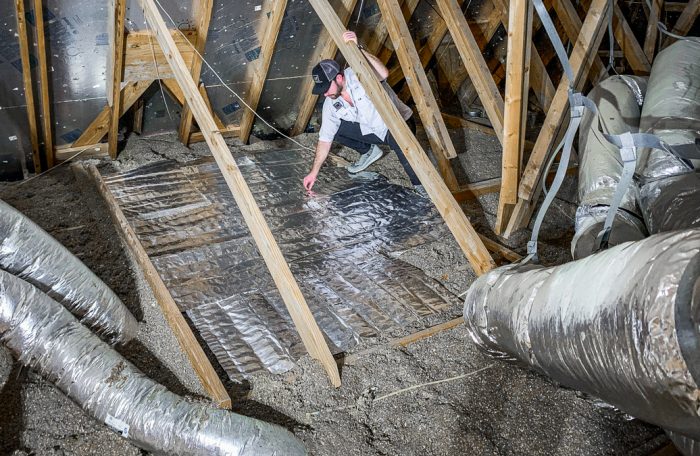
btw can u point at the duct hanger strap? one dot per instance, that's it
(684, 152)
(548, 26)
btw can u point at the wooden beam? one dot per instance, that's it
(137, 110)
(44, 82)
(624, 36)
(230, 131)
(674, 7)
(584, 50)
(65, 152)
(188, 343)
(384, 53)
(455, 219)
(326, 50)
(202, 17)
(141, 48)
(272, 14)
(514, 118)
(427, 106)
(27, 83)
(474, 61)
(685, 21)
(652, 31)
(117, 9)
(174, 89)
(458, 122)
(501, 250)
(279, 269)
(97, 129)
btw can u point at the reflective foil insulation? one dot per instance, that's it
(47, 338)
(32, 254)
(342, 245)
(631, 339)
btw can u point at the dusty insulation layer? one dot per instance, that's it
(32, 254)
(620, 324)
(341, 245)
(46, 337)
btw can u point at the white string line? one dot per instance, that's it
(226, 85)
(155, 64)
(51, 169)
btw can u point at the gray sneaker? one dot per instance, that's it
(374, 154)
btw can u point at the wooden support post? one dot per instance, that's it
(202, 17)
(581, 60)
(202, 367)
(279, 269)
(326, 50)
(272, 14)
(382, 51)
(517, 70)
(474, 62)
(426, 104)
(652, 30)
(115, 67)
(27, 83)
(137, 109)
(44, 82)
(633, 52)
(455, 219)
(685, 21)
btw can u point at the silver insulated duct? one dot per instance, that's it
(30, 253)
(670, 191)
(621, 325)
(619, 100)
(46, 337)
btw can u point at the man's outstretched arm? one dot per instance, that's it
(322, 150)
(379, 68)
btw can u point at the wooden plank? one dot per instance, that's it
(474, 61)
(652, 31)
(137, 109)
(420, 335)
(674, 7)
(685, 21)
(624, 36)
(230, 131)
(291, 294)
(458, 122)
(27, 83)
(116, 53)
(427, 106)
(99, 126)
(65, 152)
(514, 118)
(501, 250)
(141, 48)
(272, 14)
(44, 83)
(174, 89)
(202, 17)
(188, 343)
(326, 50)
(455, 219)
(384, 53)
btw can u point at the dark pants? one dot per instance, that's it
(349, 135)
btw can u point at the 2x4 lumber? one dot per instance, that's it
(272, 14)
(384, 53)
(455, 219)
(517, 78)
(299, 311)
(65, 152)
(652, 30)
(97, 129)
(674, 7)
(27, 83)
(44, 82)
(631, 48)
(326, 50)
(427, 106)
(685, 21)
(188, 342)
(141, 51)
(474, 61)
(116, 26)
(202, 17)
(586, 46)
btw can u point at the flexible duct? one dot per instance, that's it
(30, 253)
(670, 194)
(46, 337)
(621, 325)
(619, 100)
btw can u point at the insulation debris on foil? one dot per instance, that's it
(341, 244)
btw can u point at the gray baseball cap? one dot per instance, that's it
(323, 74)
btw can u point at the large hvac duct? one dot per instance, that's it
(619, 100)
(670, 192)
(30, 253)
(621, 325)
(46, 337)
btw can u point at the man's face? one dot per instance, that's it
(335, 88)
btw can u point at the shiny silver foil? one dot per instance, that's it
(30, 253)
(46, 337)
(686, 445)
(341, 244)
(621, 325)
(589, 221)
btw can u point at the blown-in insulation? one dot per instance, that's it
(621, 325)
(46, 337)
(32, 254)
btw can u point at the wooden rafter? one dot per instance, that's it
(141, 51)
(299, 311)
(325, 50)
(381, 35)
(44, 83)
(517, 69)
(272, 14)
(202, 17)
(652, 30)
(631, 48)
(581, 57)
(27, 83)
(115, 70)
(426, 104)
(685, 21)
(464, 233)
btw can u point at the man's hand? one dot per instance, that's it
(350, 36)
(309, 180)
